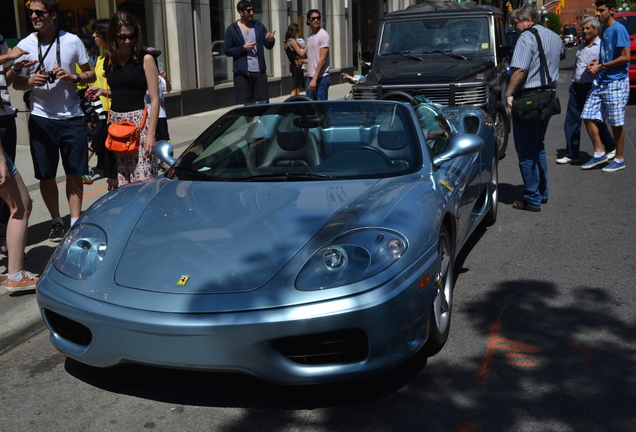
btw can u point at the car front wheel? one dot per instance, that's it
(442, 296)
(493, 195)
(502, 130)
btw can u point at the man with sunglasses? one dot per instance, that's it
(56, 124)
(244, 42)
(317, 58)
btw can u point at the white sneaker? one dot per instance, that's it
(611, 155)
(566, 160)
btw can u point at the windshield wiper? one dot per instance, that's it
(286, 176)
(406, 54)
(447, 52)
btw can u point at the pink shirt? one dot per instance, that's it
(315, 42)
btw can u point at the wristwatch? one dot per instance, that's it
(509, 95)
(602, 66)
(79, 77)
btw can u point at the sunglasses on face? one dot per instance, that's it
(249, 11)
(129, 36)
(314, 18)
(38, 13)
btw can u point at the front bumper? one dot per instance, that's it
(390, 323)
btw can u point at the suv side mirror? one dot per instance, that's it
(367, 56)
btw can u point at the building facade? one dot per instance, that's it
(190, 34)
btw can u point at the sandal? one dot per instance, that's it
(521, 205)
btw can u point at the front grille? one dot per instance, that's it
(471, 125)
(68, 329)
(450, 94)
(343, 346)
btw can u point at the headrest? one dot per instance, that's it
(391, 135)
(289, 136)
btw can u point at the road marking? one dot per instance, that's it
(101, 188)
(517, 353)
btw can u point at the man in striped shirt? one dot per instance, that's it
(529, 75)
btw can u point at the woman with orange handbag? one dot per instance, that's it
(131, 73)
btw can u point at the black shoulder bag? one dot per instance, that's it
(537, 104)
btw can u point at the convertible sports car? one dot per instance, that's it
(300, 242)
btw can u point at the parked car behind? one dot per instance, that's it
(453, 53)
(628, 19)
(219, 61)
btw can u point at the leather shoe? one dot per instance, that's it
(521, 205)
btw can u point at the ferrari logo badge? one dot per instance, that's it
(183, 280)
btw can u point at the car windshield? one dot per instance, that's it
(432, 35)
(304, 141)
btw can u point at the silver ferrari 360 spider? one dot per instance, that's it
(300, 242)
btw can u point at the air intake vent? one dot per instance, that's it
(68, 329)
(338, 347)
(471, 124)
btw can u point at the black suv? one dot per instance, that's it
(452, 53)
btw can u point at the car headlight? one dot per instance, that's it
(350, 258)
(81, 252)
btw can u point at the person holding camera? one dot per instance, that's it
(56, 124)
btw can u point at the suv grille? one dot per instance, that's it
(68, 329)
(343, 346)
(445, 94)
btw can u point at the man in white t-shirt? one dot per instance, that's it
(56, 124)
(317, 58)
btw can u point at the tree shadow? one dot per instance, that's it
(548, 364)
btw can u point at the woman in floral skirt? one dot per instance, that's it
(132, 72)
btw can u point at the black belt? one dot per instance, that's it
(580, 84)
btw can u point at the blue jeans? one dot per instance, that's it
(572, 125)
(529, 142)
(322, 88)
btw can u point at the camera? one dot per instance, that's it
(51, 76)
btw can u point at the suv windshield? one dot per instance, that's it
(305, 141)
(436, 34)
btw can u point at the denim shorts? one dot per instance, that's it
(51, 139)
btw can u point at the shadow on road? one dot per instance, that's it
(566, 369)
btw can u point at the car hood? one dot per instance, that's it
(446, 69)
(223, 237)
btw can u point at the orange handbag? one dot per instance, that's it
(124, 137)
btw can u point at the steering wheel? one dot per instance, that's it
(298, 98)
(398, 96)
(378, 152)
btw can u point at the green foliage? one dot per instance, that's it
(554, 23)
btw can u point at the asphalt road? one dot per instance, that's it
(542, 339)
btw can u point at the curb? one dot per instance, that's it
(20, 324)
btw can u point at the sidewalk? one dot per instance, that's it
(19, 315)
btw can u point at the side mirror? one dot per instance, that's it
(367, 56)
(164, 152)
(460, 145)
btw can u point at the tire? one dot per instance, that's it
(502, 130)
(493, 195)
(441, 307)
